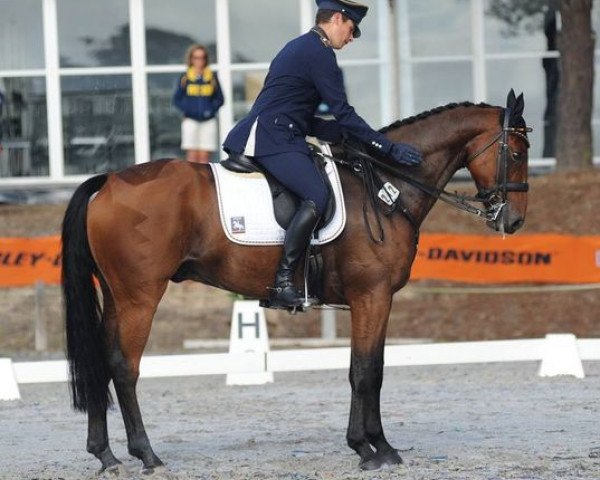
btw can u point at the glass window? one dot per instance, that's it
(165, 119)
(596, 110)
(596, 138)
(367, 46)
(526, 75)
(439, 28)
(21, 34)
(171, 27)
(246, 87)
(23, 127)
(440, 83)
(93, 33)
(503, 33)
(362, 88)
(260, 28)
(596, 18)
(97, 123)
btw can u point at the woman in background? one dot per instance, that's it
(198, 95)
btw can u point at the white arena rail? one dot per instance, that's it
(559, 354)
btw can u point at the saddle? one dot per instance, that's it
(285, 203)
(379, 194)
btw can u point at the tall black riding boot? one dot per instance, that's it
(297, 238)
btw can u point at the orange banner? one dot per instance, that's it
(24, 261)
(544, 258)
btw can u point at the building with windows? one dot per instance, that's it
(85, 87)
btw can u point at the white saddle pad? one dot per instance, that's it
(246, 208)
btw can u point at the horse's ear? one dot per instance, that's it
(519, 106)
(511, 99)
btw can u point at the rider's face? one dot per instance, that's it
(342, 31)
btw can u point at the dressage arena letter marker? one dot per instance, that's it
(249, 335)
(561, 356)
(9, 390)
(255, 324)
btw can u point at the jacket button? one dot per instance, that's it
(291, 125)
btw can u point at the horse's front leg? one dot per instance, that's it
(370, 313)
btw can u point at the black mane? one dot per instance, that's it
(433, 111)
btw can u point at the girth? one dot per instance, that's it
(285, 203)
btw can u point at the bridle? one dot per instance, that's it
(497, 195)
(493, 199)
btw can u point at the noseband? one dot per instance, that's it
(496, 196)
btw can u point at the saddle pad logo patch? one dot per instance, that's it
(238, 225)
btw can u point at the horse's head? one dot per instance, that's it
(497, 160)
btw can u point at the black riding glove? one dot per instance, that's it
(406, 154)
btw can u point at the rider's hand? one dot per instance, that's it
(406, 154)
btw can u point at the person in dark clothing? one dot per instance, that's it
(198, 95)
(304, 74)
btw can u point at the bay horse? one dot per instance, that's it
(132, 231)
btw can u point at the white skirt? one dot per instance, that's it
(199, 135)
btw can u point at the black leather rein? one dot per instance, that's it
(496, 196)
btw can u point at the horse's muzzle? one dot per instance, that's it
(507, 221)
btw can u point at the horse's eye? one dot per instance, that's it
(517, 156)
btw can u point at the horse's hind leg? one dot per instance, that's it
(133, 322)
(369, 322)
(97, 441)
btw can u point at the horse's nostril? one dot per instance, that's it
(517, 224)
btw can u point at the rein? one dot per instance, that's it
(362, 164)
(456, 200)
(373, 188)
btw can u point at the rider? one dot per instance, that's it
(304, 74)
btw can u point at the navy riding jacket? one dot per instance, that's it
(304, 74)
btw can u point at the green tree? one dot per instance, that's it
(163, 47)
(575, 43)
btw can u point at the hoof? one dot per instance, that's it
(391, 457)
(370, 465)
(116, 471)
(158, 472)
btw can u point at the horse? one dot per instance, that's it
(126, 234)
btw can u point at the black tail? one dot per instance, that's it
(86, 350)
